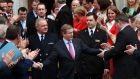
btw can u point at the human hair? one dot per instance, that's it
(104, 4)
(80, 10)
(65, 27)
(3, 28)
(23, 9)
(114, 9)
(38, 20)
(1, 8)
(3, 20)
(92, 14)
(88, 1)
(122, 17)
(41, 4)
(12, 32)
(9, 1)
(135, 6)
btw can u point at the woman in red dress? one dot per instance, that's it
(111, 29)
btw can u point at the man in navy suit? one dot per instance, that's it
(22, 12)
(67, 52)
(43, 41)
(32, 14)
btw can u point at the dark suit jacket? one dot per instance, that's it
(45, 50)
(90, 63)
(21, 29)
(30, 16)
(68, 66)
(137, 56)
(5, 72)
(64, 16)
(124, 64)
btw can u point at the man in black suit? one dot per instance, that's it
(124, 64)
(64, 16)
(92, 66)
(22, 12)
(43, 41)
(32, 14)
(41, 13)
(67, 52)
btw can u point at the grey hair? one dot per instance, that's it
(3, 28)
(38, 20)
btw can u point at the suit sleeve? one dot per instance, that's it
(88, 50)
(118, 48)
(52, 58)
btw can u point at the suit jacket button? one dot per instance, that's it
(40, 54)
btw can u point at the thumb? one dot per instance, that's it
(136, 46)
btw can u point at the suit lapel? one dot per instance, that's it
(75, 48)
(66, 51)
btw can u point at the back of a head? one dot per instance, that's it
(122, 17)
(3, 20)
(12, 32)
(3, 29)
(61, 1)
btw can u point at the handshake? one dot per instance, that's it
(37, 65)
(105, 47)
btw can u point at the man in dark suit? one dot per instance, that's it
(20, 70)
(64, 16)
(43, 41)
(66, 52)
(124, 65)
(92, 66)
(41, 13)
(32, 14)
(22, 12)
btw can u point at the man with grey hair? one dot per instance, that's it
(44, 41)
(64, 16)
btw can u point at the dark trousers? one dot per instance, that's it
(90, 76)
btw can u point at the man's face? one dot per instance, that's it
(41, 11)
(91, 21)
(4, 5)
(68, 35)
(42, 26)
(9, 7)
(22, 15)
(137, 24)
(34, 5)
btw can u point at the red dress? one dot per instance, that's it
(114, 30)
(79, 25)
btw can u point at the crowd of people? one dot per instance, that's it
(70, 39)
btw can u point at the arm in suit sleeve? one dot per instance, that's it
(137, 54)
(118, 48)
(88, 50)
(52, 58)
(3, 65)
